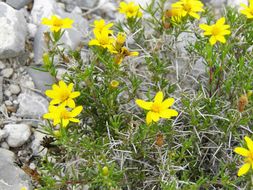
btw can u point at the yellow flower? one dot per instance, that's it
(60, 114)
(23, 188)
(122, 53)
(174, 14)
(57, 23)
(99, 26)
(119, 49)
(114, 84)
(121, 39)
(248, 10)
(158, 108)
(188, 7)
(248, 154)
(217, 31)
(102, 39)
(130, 10)
(62, 94)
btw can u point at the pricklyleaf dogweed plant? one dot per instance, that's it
(96, 136)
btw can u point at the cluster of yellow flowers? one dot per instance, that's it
(62, 108)
(115, 45)
(191, 8)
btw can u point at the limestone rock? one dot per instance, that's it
(13, 31)
(18, 134)
(18, 4)
(11, 176)
(31, 105)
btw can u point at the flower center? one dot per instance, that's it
(64, 96)
(65, 114)
(57, 22)
(251, 11)
(156, 107)
(131, 10)
(187, 7)
(215, 31)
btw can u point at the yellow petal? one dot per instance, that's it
(143, 104)
(212, 40)
(71, 103)
(63, 85)
(195, 15)
(148, 118)
(134, 53)
(74, 120)
(168, 113)
(47, 116)
(221, 39)
(70, 87)
(55, 101)
(205, 27)
(244, 169)
(65, 122)
(249, 143)
(242, 151)
(76, 111)
(158, 97)
(50, 93)
(46, 21)
(168, 102)
(221, 21)
(155, 116)
(74, 94)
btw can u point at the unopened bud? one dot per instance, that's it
(105, 171)
(242, 102)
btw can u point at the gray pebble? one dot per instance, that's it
(7, 73)
(14, 89)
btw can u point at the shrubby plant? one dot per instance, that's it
(100, 138)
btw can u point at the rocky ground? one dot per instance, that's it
(22, 100)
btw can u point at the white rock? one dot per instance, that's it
(142, 3)
(15, 89)
(236, 3)
(7, 93)
(36, 147)
(41, 9)
(31, 105)
(70, 4)
(217, 3)
(11, 176)
(18, 4)
(13, 31)
(7, 73)
(42, 80)
(60, 73)
(3, 134)
(18, 134)
(8, 103)
(2, 65)
(32, 29)
(5, 145)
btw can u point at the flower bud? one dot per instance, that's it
(105, 171)
(114, 84)
(46, 59)
(159, 140)
(242, 102)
